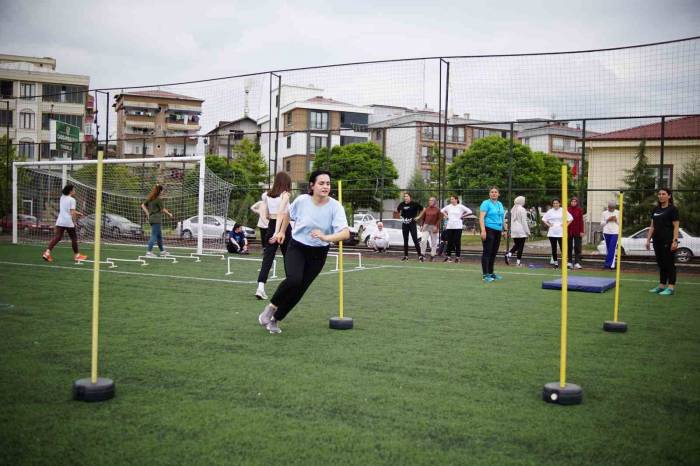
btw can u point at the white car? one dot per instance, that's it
(361, 221)
(214, 227)
(635, 245)
(391, 225)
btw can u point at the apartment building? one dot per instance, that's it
(156, 124)
(32, 94)
(558, 139)
(223, 139)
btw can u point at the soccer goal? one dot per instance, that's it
(197, 198)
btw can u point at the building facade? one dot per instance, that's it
(558, 139)
(224, 138)
(32, 94)
(156, 124)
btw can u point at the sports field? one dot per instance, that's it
(440, 368)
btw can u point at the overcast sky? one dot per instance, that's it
(124, 43)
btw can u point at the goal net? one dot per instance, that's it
(199, 220)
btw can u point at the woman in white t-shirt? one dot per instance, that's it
(609, 220)
(554, 219)
(67, 216)
(454, 212)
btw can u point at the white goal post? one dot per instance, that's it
(38, 185)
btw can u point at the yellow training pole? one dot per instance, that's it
(340, 257)
(619, 262)
(96, 269)
(564, 272)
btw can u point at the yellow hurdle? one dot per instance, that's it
(564, 272)
(96, 269)
(619, 262)
(340, 258)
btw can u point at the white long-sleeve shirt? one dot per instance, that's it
(611, 227)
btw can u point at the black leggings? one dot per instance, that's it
(59, 235)
(575, 244)
(406, 228)
(269, 250)
(303, 264)
(454, 241)
(518, 246)
(491, 245)
(553, 242)
(666, 259)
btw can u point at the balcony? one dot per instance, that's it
(181, 125)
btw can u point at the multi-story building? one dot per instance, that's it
(156, 123)
(558, 139)
(307, 122)
(32, 94)
(223, 139)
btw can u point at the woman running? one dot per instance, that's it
(65, 223)
(454, 212)
(318, 221)
(409, 210)
(664, 232)
(276, 204)
(153, 208)
(491, 220)
(519, 230)
(554, 220)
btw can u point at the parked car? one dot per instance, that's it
(391, 225)
(360, 221)
(635, 245)
(114, 225)
(214, 227)
(25, 223)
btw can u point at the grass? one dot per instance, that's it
(440, 368)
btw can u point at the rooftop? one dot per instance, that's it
(158, 94)
(679, 128)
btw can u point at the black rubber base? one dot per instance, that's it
(337, 323)
(570, 394)
(85, 390)
(610, 326)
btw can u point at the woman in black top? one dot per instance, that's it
(664, 231)
(409, 210)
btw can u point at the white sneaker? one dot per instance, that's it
(570, 265)
(272, 327)
(577, 266)
(260, 293)
(164, 254)
(265, 316)
(150, 254)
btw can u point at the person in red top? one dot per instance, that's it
(430, 220)
(575, 233)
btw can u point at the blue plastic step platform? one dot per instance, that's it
(588, 284)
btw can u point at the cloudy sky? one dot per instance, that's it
(126, 43)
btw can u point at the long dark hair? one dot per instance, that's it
(67, 189)
(155, 192)
(315, 174)
(670, 196)
(281, 184)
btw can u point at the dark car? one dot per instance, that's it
(114, 225)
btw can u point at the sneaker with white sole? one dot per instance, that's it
(164, 254)
(260, 294)
(272, 327)
(150, 254)
(570, 265)
(578, 266)
(265, 316)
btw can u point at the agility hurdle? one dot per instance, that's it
(336, 255)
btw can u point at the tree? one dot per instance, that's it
(6, 174)
(421, 190)
(688, 196)
(551, 175)
(360, 168)
(639, 195)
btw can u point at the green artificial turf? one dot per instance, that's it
(439, 369)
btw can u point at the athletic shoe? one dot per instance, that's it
(519, 264)
(666, 292)
(265, 316)
(487, 278)
(570, 265)
(79, 257)
(578, 266)
(456, 260)
(431, 258)
(164, 254)
(421, 258)
(47, 256)
(150, 254)
(260, 294)
(272, 327)
(507, 256)
(405, 258)
(656, 290)
(495, 276)
(447, 259)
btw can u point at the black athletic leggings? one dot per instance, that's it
(666, 260)
(269, 250)
(518, 246)
(454, 241)
(575, 244)
(491, 245)
(553, 243)
(407, 228)
(303, 264)
(59, 235)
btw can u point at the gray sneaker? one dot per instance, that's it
(164, 254)
(266, 316)
(272, 327)
(260, 294)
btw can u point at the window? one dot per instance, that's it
(288, 165)
(26, 119)
(6, 89)
(289, 142)
(356, 121)
(345, 140)
(64, 93)
(666, 180)
(289, 118)
(237, 135)
(458, 134)
(316, 143)
(277, 100)
(318, 120)
(27, 91)
(426, 175)
(6, 118)
(526, 141)
(429, 133)
(75, 120)
(276, 122)
(425, 154)
(26, 149)
(378, 135)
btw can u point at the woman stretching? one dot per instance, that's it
(276, 204)
(491, 221)
(153, 208)
(664, 232)
(318, 221)
(67, 216)
(519, 229)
